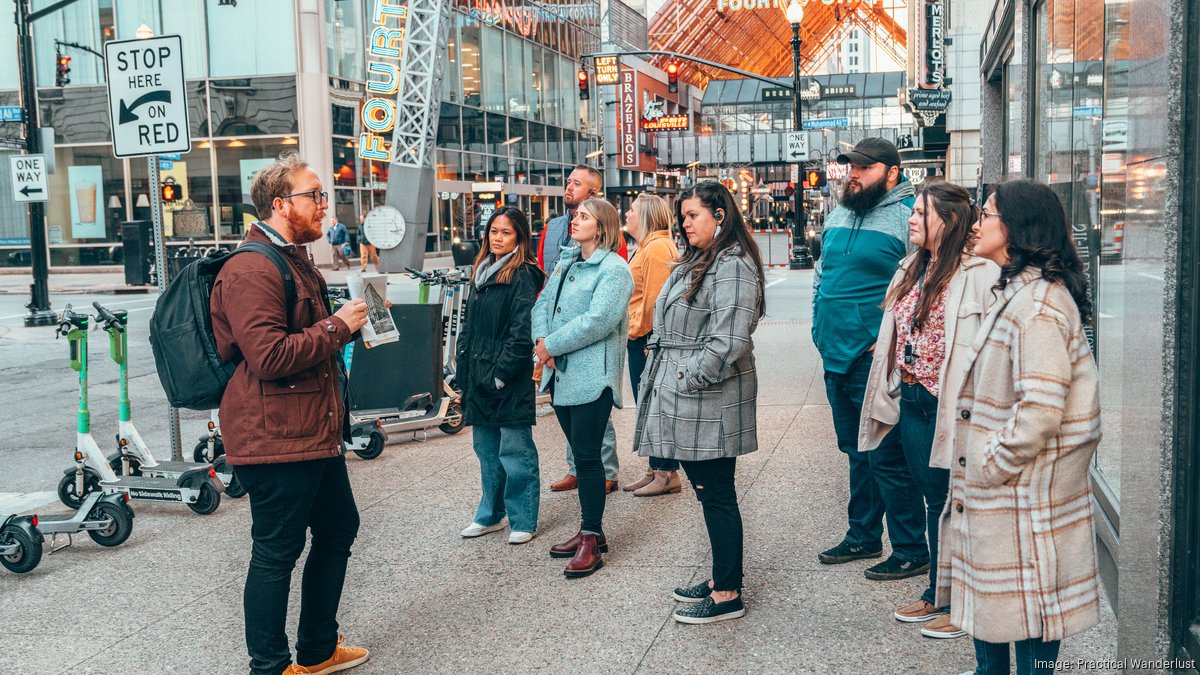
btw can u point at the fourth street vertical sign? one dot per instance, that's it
(147, 104)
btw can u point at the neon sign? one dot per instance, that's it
(378, 114)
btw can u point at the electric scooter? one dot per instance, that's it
(199, 488)
(20, 543)
(135, 457)
(106, 517)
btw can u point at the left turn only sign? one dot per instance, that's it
(147, 104)
(28, 173)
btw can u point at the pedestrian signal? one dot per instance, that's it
(170, 191)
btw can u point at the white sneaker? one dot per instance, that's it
(519, 537)
(477, 530)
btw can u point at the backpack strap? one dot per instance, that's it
(285, 271)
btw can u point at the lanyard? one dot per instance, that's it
(912, 320)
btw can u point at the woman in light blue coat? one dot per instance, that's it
(580, 323)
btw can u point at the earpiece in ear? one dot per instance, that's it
(720, 214)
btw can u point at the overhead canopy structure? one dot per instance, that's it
(754, 35)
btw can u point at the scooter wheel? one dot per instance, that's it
(119, 527)
(28, 553)
(374, 448)
(208, 501)
(234, 488)
(200, 451)
(135, 467)
(454, 419)
(69, 494)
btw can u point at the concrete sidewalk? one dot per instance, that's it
(425, 600)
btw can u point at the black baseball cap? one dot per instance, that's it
(871, 150)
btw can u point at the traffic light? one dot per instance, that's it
(672, 77)
(170, 191)
(583, 85)
(62, 69)
(814, 178)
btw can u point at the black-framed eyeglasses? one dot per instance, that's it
(984, 213)
(317, 195)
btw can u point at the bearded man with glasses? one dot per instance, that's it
(283, 418)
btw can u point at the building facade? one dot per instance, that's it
(511, 74)
(1100, 101)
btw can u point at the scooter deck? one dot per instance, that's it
(171, 467)
(141, 483)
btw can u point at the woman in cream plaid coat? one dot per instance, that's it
(1017, 560)
(700, 387)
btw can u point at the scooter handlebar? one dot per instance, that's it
(109, 319)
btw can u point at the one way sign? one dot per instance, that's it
(28, 177)
(797, 147)
(147, 104)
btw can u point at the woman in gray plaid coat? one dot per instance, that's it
(700, 384)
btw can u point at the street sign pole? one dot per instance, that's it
(160, 274)
(40, 313)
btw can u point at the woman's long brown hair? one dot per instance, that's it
(523, 253)
(954, 206)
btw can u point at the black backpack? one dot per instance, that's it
(185, 351)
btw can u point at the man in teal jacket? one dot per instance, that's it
(864, 239)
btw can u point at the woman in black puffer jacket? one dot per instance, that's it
(495, 369)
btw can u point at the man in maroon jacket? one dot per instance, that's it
(283, 419)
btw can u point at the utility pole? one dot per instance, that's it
(40, 313)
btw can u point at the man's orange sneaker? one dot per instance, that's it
(343, 658)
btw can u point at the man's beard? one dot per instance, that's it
(866, 198)
(304, 230)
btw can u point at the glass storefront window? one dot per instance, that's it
(452, 78)
(253, 106)
(517, 70)
(236, 47)
(193, 172)
(88, 22)
(471, 71)
(87, 204)
(345, 162)
(449, 135)
(551, 89)
(182, 17)
(568, 87)
(497, 133)
(537, 92)
(345, 39)
(492, 56)
(238, 160)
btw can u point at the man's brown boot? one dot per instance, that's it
(568, 482)
(567, 548)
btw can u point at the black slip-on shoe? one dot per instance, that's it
(692, 593)
(707, 611)
(894, 568)
(846, 552)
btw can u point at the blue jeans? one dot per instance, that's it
(918, 417)
(880, 482)
(1034, 657)
(608, 453)
(508, 469)
(637, 363)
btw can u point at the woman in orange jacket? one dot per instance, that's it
(649, 220)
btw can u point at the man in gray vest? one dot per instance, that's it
(584, 183)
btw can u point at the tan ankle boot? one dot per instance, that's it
(665, 482)
(643, 482)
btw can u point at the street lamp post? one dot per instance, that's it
(801, 257)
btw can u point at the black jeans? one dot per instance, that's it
(637, 363)
(1034, 657)
(584, 427)
(286, 500)
(713, 481)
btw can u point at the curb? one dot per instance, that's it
(87, 290)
